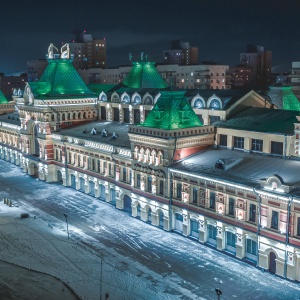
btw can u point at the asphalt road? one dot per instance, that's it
(167, 261)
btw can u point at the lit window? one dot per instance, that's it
(178, 190)
(252, 212)
(212, 200)
(195, 195)
(231, 206)
(274, 220)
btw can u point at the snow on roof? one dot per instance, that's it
(85, 132)
(249, 169)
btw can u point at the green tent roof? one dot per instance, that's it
(60, 80)
(144, 75)
(172, 111)
(290, 101)
(3, 100)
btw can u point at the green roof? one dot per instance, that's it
(144, 75)
(172, 111)
(290, 101)
(263, 120)
(60, 80)
(3, 100)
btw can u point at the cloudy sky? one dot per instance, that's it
(220, 29)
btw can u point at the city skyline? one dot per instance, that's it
(221, 30)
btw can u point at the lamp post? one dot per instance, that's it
(66, 216)
(219, 293)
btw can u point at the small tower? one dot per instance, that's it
(170, 132)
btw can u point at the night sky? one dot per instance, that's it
(220, 29)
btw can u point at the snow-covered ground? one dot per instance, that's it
(35, 244)
(111, 252)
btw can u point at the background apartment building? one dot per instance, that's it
(177, 76)
(8, 83)
(261, 62)
(88, 52)
(181, 53)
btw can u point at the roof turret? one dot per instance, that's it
(144, 75)
(172, 111)
(60, 79)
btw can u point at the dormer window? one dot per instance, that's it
(276, 184)
(215, 104)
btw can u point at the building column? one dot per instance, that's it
(220, 236)
(247, 144)
(240, 242)
(202, 230)
(230, 142)
(185, 223)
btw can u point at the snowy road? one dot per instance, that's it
(139, 261)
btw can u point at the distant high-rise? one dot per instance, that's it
(10, 82)
(181, 53)
(261, 62)
(88, 52)
(35, 69)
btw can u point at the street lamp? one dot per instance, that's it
(219, 293)
(66, 216)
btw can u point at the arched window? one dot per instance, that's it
(215, 104)
(136, 152)
(141, 155)
(136, 99)
(159, 159)
(115, 98)
(148, 100)
(199, 103)
(147, 155)
(152, 157)
(125, 99)
(103, 97)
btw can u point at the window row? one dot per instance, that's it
(255, 145)
(149, 184)
(148, 156)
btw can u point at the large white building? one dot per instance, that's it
(179, 76)
(233, 185)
